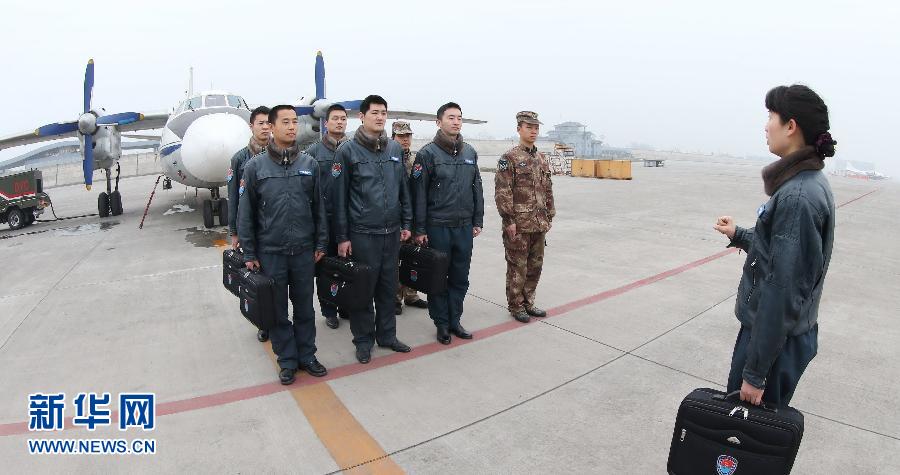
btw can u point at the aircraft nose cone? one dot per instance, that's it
(210, 142)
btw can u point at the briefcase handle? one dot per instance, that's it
(735, 397)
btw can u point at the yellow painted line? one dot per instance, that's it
(346, 439)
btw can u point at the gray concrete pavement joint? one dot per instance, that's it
(140, 277)
(637, 227)
(50, 291)
(24, 294)
(488, 417)
(720, 302)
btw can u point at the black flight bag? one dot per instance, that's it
(257, 299)
(232, 267)
(718, 434)
(423, 269)
(343, 283)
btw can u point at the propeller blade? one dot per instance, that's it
(88, 163)
(350, 105)
(320, 76)
(88, 85)
(304, 110)
(121, 118)
(56, 129)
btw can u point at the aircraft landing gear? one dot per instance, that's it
(110, 201)
(215, 206)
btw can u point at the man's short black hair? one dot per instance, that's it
(449, 105)
(332, 108)
(371, 99)
(273, 114)
(259, 110)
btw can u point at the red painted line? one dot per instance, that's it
(565, 308)
(252, 392)
(855, 199)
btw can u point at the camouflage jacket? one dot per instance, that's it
(523, 190)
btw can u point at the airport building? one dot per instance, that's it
(585, 143)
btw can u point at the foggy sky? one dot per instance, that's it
(675, 75)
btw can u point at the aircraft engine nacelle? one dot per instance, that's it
(307, 130)
(107, 146)
(320, 107)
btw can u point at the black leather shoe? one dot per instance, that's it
(535, 312)
(262, 336)
(521, 316)
(363, 355)
(314, 368)
(418, 303)
(461, 332)
(286, 375)
(332, 322)
(398, 309)
(398, 346)
(443, 335)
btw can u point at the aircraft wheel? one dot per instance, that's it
(208, 214)
(115, 203)
(103, 204)
(223, 212)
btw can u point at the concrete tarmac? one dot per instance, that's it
(640, 290)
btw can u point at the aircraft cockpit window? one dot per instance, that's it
(235, 101)
(215, 101)
(195, 103)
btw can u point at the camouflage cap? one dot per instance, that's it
(401, 127)
(528, 117)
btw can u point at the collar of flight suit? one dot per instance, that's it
(447, 143)
(373, 144)
(255, 147)
(332, 144)
(283, 156)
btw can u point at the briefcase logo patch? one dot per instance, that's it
(413, 275)
(726, 465)
(334, 290)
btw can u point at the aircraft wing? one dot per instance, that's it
(62, 130)
(156, 120)
(30, 137)
(407, 115)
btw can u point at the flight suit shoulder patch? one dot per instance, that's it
(417, 170)
(336, 170)
(502, 164)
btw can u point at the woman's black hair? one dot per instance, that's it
(808, 110)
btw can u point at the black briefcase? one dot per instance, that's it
(257, 299)
(423, 269)
(232, 267)
(343, 283)
(719, 434)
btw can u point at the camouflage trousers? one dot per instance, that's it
(404, 293)
(524, 261)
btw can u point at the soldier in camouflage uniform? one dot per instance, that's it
(402, 133)
(524, 195)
